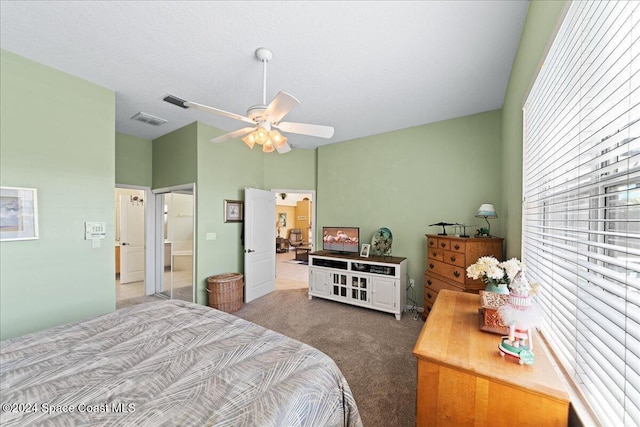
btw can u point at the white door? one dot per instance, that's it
(131, 240)
(259, 243)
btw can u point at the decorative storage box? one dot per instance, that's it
(490, 320)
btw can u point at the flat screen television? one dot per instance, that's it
(341, 239)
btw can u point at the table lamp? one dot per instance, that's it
(486, 211)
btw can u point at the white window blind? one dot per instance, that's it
(581, 212)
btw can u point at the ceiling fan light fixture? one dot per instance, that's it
(261, 136)
(264, 118)
(277, 139)
(268, 147)
(250, 140)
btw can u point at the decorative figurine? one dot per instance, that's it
(522, 318)
(443, 224)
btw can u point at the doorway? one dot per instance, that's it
(175, 248)
(131, 259)
(295, 210)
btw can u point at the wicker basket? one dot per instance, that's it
(225, 292)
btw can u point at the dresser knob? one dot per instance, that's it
(456, 273)
(429, 296)
(457, 247)
(453, 259)
(429, 282)
(434, 254)
(431, 265)
(443, 244)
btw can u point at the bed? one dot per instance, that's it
(170, 363)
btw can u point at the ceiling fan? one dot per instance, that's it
(265, 119)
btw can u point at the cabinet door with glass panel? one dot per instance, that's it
(339, 285)
(360, 289)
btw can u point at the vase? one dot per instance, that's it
(500, 288)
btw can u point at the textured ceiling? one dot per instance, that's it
(364, 67)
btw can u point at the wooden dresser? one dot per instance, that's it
(447, 260)
(463, 381)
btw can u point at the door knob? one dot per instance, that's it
(123, 244)
(250, 250)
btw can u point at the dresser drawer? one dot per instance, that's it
(444, 244)
(435, 253)
(436, 284)
(430, 295)
(432, 242)
(427, 308)
(454, 258)
(452, 272)
(458, 246)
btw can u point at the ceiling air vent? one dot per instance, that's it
(149, 119)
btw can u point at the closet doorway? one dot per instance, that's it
(175, 248)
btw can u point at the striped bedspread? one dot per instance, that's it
(169, 363)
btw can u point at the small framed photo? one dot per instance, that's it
(18, 213)
(364, 250)
(233, 211)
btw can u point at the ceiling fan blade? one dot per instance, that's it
(307, 129)
(235, 134)
(285, 148)
(217, 111)
(280, 106)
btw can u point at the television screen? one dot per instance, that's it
(340, 239)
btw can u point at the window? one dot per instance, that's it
(581, 211)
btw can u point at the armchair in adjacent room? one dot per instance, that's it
(295, 237)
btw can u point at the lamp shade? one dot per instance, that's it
(486, 210)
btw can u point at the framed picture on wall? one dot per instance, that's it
(18, 213)
(233, 211)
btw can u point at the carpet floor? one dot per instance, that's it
(371, 348)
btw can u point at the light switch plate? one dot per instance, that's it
(94, 230)
(211, 236)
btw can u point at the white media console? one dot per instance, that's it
(377, 282)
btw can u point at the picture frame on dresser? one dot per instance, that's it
(364, 250)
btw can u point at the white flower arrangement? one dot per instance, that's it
(494, 272)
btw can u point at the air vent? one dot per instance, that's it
(175, 101)
(149, 119)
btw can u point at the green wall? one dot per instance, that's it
(133, 160)
(408, 179)
(542, 20)
(294, 170)
(50, 121)
(174, 157)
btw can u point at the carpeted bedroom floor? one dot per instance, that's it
(371, 348)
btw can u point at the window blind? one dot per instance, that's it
(581, 206)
